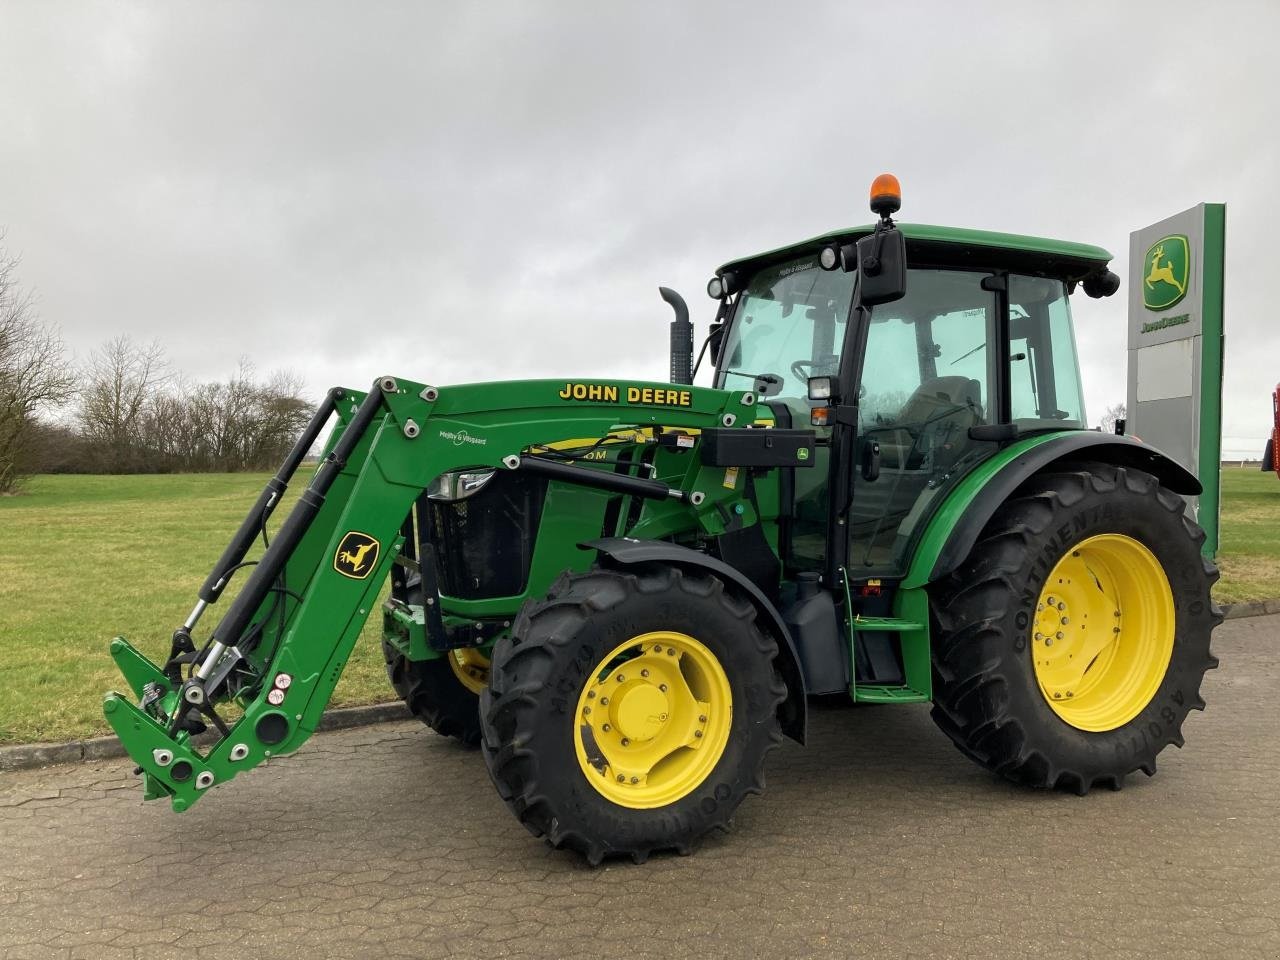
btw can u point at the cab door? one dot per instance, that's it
(928, 375)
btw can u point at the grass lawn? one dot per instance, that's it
(83, 559)
(86, 558)
(1249, 541)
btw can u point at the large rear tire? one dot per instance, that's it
(631, 711)
(442, 693)
(1072, 642)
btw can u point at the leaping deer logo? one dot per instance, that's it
(356, 555)
(1163, 271)
(356, 559)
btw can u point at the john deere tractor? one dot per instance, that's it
(625, 592)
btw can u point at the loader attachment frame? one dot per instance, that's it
(279, 650)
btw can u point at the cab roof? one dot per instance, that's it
(929, 245)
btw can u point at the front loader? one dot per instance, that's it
(626, 591)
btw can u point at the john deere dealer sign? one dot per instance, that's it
(1175, 346)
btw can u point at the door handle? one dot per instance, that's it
(871, 461)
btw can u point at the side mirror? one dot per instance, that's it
(882, 266)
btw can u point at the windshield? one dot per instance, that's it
(789, 324)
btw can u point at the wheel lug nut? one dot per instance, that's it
(1062, 606)
(1059, 634)
(606, 728)
(1048, 641)
(662, 687)
(1039, 607)
(586, 710)
(703, 718)
(1065, 621)
(626, 742)
(697, 733)
(620, 678)
(1057, 696)
(644, 673)
(591, 694)
(621, 778)
(604, 701)
(1051, 602)
(671, 651)
(635, 779)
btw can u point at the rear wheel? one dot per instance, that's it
(1073, 640)
(631, 711)
(442, 693)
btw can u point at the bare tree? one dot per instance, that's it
(134, 418)
(120, 383)
(34, 373)
(1114, 413)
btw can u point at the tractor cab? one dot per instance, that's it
(974, 350)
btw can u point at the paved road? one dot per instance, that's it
(878, 838)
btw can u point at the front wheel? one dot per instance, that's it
(1073, 640)
(631, 711)
(443, 693)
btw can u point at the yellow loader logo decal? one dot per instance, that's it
(357, 555)
(1168, 263)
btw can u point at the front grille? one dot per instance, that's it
(484, 544)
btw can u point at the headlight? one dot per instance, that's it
(458, 485)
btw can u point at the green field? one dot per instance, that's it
(1249, 547)
(85, 558)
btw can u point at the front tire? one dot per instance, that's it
(631, 711)
(443, 693)
(1073, 640)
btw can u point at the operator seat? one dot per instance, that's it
(937, 416)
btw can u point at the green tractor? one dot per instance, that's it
(626, 592)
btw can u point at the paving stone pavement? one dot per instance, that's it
(388, 841)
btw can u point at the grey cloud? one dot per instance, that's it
(471, 191)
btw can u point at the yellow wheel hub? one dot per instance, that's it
(653, 720)
(471, 667)
(1103, 632)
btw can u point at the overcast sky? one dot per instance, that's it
(469, 191)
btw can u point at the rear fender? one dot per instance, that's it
(623, 552)
(957, 524)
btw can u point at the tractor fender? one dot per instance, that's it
(1078, 445)
(623, 551)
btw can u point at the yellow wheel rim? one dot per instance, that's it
(471, 667)
(653, 720)
(1103, 632)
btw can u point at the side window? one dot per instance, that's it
(1043, 373)
(927, 357)
(887, 385)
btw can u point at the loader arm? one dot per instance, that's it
(280, 648)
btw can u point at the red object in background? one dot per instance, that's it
(1274, 445)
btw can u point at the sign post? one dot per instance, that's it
(1175, 348)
